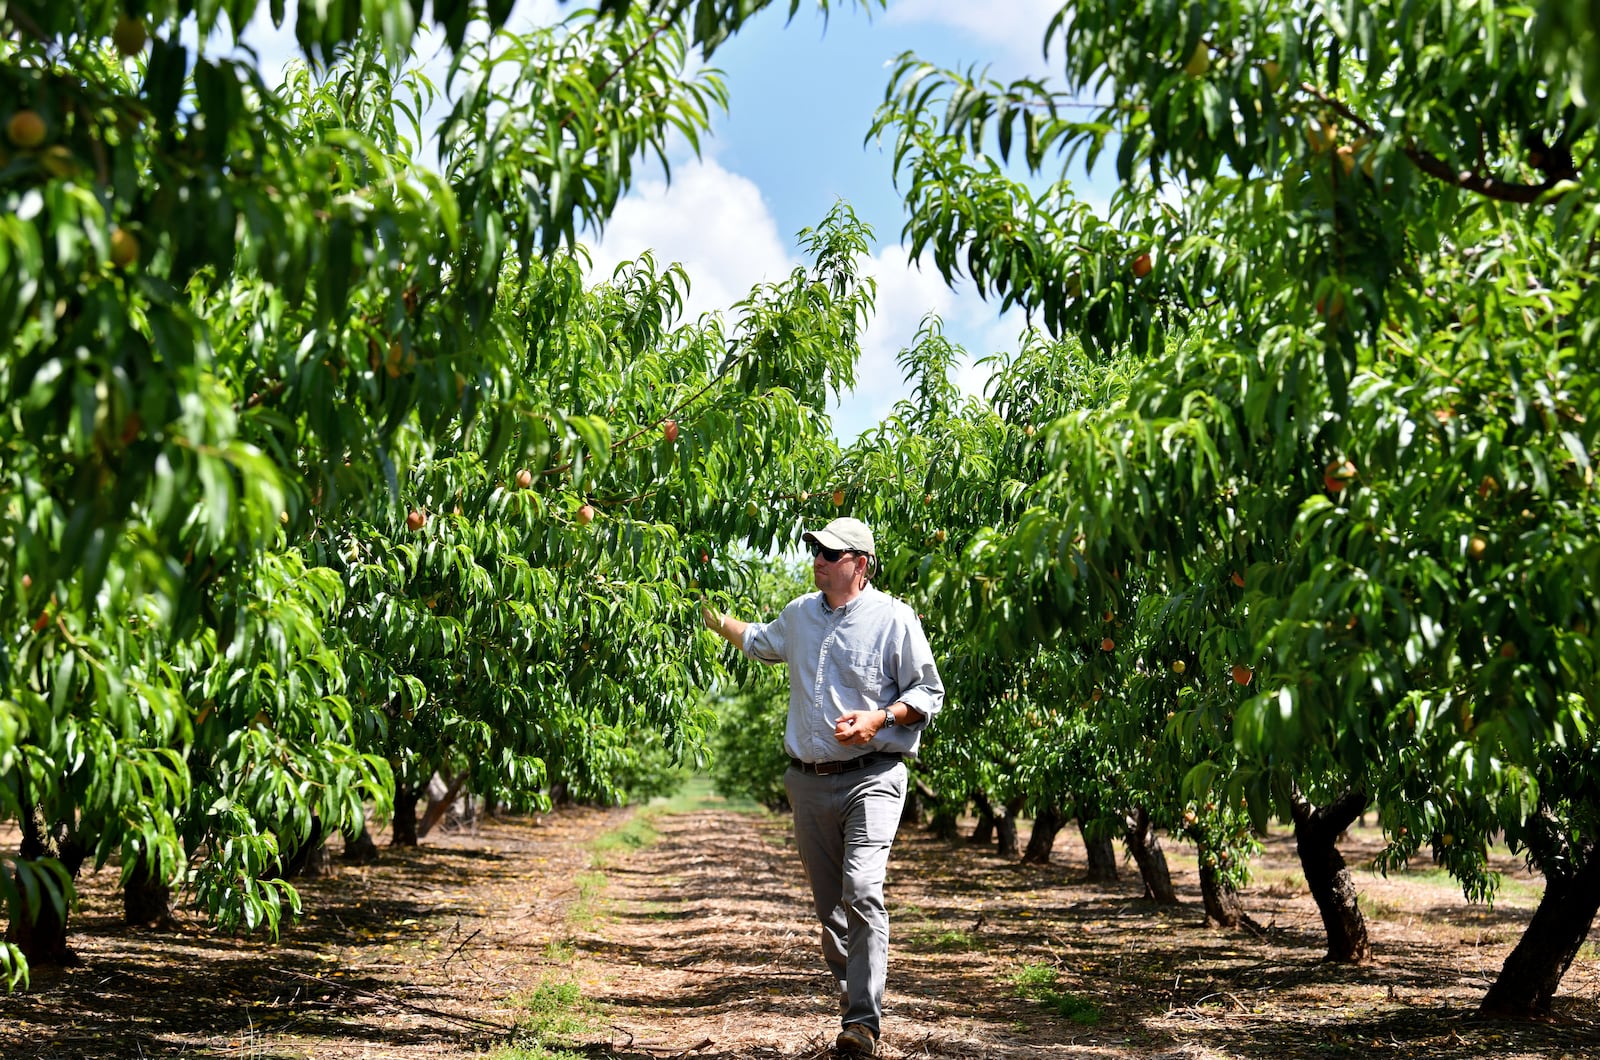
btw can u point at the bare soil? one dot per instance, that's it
(701, 944)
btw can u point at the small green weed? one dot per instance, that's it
(557, 1012)
(638, 833)
(1037, 982)
(583, 911)
(535, 1052)
(953, 941)
(1377, 908)
(1282, 884)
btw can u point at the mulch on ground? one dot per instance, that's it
(701, 944)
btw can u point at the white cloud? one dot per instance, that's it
(720, 227)
(1018, 31)
(716, 223)
(907, 293)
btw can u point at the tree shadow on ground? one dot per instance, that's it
(365, 973)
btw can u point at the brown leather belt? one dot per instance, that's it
(826, 769)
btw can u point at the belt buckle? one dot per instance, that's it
(827, 769)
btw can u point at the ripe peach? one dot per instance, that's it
(669, 431)
(586, 515)
(129, 36)
(26, 129)
(124, 247)
(416, 520)
(1242, 674)
(1321, 136)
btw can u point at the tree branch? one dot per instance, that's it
(1438, 168)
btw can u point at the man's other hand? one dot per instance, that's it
(856, 727)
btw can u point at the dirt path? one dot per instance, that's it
(706, 948)
(700, 944)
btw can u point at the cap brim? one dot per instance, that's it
(826, 540)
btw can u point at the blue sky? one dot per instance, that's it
(802, 97)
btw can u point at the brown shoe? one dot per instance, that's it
(856, 1040)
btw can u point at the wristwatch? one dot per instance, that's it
(888, 718)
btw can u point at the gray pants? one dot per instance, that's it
(844, 825)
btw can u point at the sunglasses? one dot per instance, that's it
(832, 555)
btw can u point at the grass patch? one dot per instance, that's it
(1282, 884)
(1038, 982)
(954, 941)
(1377, 908)
(638, 833)
(925, 934)
(584, 909)
(699, 793)
(556, 1013)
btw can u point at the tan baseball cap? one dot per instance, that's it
(845, 534)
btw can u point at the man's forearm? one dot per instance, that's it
(726, 626)
(904, 713)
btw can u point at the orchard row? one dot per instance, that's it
(331, 470)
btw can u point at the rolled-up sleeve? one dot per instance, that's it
(767, 641)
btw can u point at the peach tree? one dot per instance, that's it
(1355, 245)
(238, 314)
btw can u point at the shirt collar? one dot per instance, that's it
(844, 609)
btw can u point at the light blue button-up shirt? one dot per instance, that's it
(865, 655)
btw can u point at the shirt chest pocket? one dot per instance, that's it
(861, 671)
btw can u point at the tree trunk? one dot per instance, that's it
(146, 897)
(359, 849)
(983, 831)
(1102, 855)
(1145, 846)
(406, 798)
(40, 931)
(1217, 893)
(304, 860)
(1042, 840)
(1316, 833)
(945, 821)
(911, 812)
(438, 807)
(1528, 980)
(1005, 825)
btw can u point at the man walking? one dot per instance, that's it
(862, 687)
